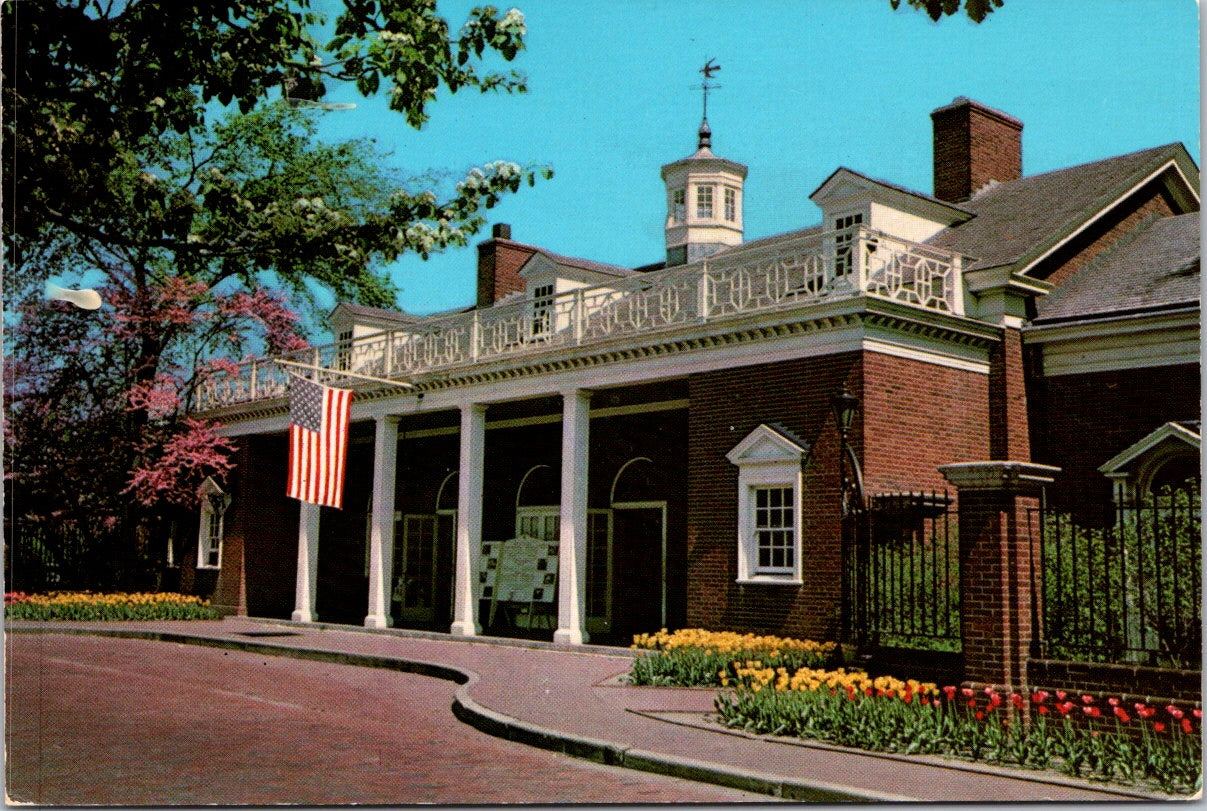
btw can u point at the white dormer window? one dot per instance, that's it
(769, 507)
(731, 204)
(679, 205)
(704, 201)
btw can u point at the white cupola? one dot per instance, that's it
(703, 203)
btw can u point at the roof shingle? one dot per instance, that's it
(1015, 218)
(1157, 268)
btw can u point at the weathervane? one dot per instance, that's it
(710, 67)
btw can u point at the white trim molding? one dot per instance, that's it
(1123, 342)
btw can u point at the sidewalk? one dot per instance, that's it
(571, 700)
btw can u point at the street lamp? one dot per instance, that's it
(845, 406)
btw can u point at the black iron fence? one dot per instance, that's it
(1127, 591)
(44, 557)
(902, 573)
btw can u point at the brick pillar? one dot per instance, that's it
(999, 564)
(1009, 429)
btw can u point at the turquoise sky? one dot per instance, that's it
(806, 87)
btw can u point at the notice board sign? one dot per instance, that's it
(519, 570)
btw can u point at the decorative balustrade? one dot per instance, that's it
(788, 273)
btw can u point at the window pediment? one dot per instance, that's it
(767, 445)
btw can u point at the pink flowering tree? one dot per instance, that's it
(223, 242)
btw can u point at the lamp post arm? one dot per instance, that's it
(857, 469)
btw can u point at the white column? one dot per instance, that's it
(308, 563)
(469, 520)
(381, 528)
(572, 560)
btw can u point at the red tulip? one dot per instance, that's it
(1197, 713)
(1187, 726)
(972, 702)
(1093, 712)
(1122, 715)
(1087, 699)
(1175, 712)
(1158, 726)
(1114, 702)
(1060, 695)
(950, 690)
(967, 691)
(1039, 697)
(1043, 709)
(980, 715)
(1017, 700)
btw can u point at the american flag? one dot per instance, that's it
(318, 442)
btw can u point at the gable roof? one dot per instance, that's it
(951, 211)
(1019, 221)
(1157, 268)
(363, 313)
(574, 263)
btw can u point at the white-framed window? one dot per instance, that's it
(678, 205)
(769, 506)
(209, 534)
(704, 201)
(775, 529)
(731, 204)
(843, 259)
(542, 309)
(343, 359)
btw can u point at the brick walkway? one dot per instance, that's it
(568, 700)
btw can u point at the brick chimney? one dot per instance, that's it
(499, 262)
(974, 145)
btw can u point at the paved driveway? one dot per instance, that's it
(95, 720)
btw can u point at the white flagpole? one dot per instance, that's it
(341, 373)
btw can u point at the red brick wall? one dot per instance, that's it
(270, 546)
(1149, 201)
(726, 406)
(973, 145)
(1086, 419)
(1132, 683)
(499, 262)
(917, 416)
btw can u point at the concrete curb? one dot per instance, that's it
(508, 728)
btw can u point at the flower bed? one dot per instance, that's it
(1154, 747)
(697, 658)
(85, 605)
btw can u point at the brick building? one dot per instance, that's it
(666, 433)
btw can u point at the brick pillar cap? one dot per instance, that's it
(998, 475)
